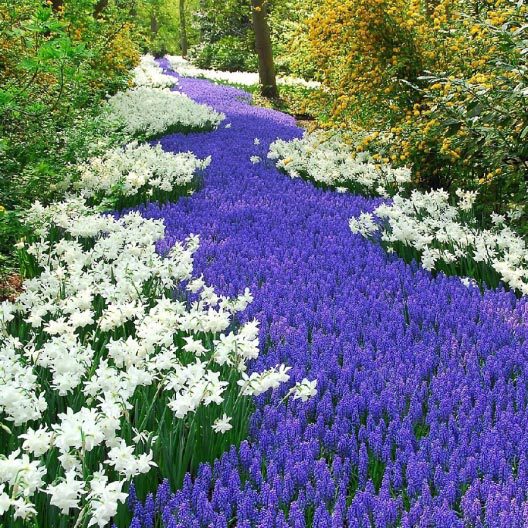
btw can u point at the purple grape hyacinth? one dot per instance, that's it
(421, 416)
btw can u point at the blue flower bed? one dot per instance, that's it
(421, 414)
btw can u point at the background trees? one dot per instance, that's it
(165, 27)
(226, 36)
(183, 29)
(248, 35)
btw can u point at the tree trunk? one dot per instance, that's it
(203, 6)
(183, 29)
(100, 6)
(264, 50)
(154, 25)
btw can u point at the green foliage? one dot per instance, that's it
(478, 125)
(11, 231)
(437, 86)
(288, 20)
(227, 54)
(469, 127)
(56, 68)
(227, 39)
(226, 36)
(293, 100)
(46, 178)
(221, 19)
(159, 24)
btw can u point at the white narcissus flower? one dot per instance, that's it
(123, 460)
(222, 425)
(135, 168)
(6, 312)
(259, 382)
(25, 475)
(364, 224)
(37, 442)
(443, 233)
(66, 494)
(23, 509)
(304, 390)
(328, 159)
(148, 73)
(196, 285)
(19, 397)
(187, 69)
(467, 282)
(78, 430)
(102, 321)
(466, 199)
(104, 499)
(194, 346)
(5, 500)
(70, 462)
(152, 111)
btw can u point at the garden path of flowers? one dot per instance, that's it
(421, 413)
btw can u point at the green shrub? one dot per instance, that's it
(228, 54)
(56, 68)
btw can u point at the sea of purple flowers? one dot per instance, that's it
(421, 414)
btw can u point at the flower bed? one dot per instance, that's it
(425, 226)
(420, 416)
(135, 174)
(187, 69)
(148, 73)
(151, 112)
(116, 364)
(325, 159)
(446, 237)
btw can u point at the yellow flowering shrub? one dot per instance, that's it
(438, 86)
(366, 51)
(470, 125)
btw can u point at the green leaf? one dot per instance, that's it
(474, 109)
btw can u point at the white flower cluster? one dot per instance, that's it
(441, 232)
(137, 168)
(328, 160)
(304, 390)
(149, 74)
(186, 69)
(97, 326)
(151, 112)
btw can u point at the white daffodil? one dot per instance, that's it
(222, 425)
(187, 69)
(148, 73)
(152, 111)
(304, 390)
(327, 159)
